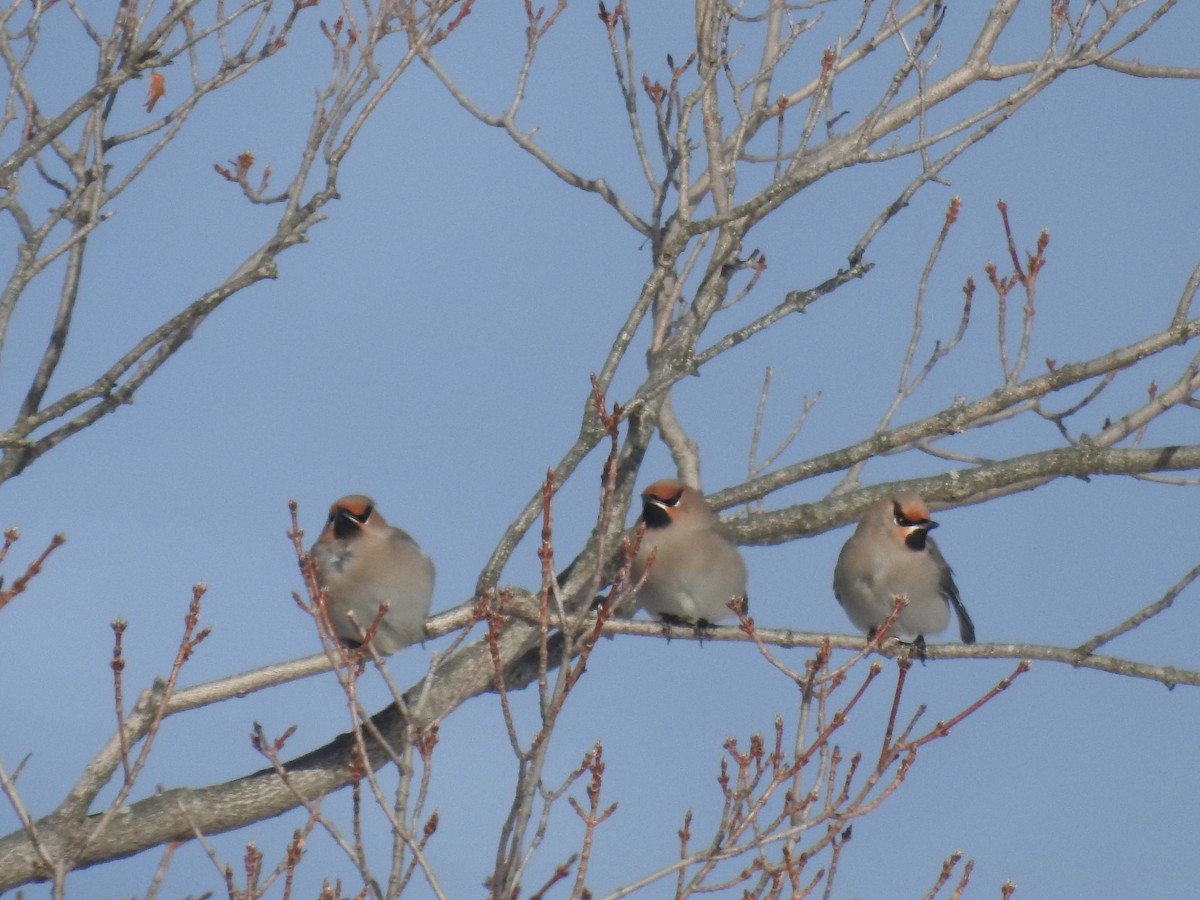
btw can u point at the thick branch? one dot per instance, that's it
(957, 487)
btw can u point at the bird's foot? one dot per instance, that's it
(919, 648)
(701, 628)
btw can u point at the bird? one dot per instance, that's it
(697, 568)
(891, 553)
(362, 563)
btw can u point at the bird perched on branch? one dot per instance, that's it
(697, 568)
(362, 562)
(891, 553)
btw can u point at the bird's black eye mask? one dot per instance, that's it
(915, 539)
(905, 522)
(346, 523)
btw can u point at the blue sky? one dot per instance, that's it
(431, 346)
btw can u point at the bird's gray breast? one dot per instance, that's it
(335, 558)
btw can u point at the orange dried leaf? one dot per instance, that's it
(244, 162)
(158, 89)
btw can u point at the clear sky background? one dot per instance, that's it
(431, 346)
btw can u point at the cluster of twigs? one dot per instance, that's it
(70, 167)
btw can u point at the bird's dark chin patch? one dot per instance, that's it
(655, 516)
(916, 539)
(346, 526)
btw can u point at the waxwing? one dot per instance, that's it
(891, 553)
(363, 562)
(697, 568)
